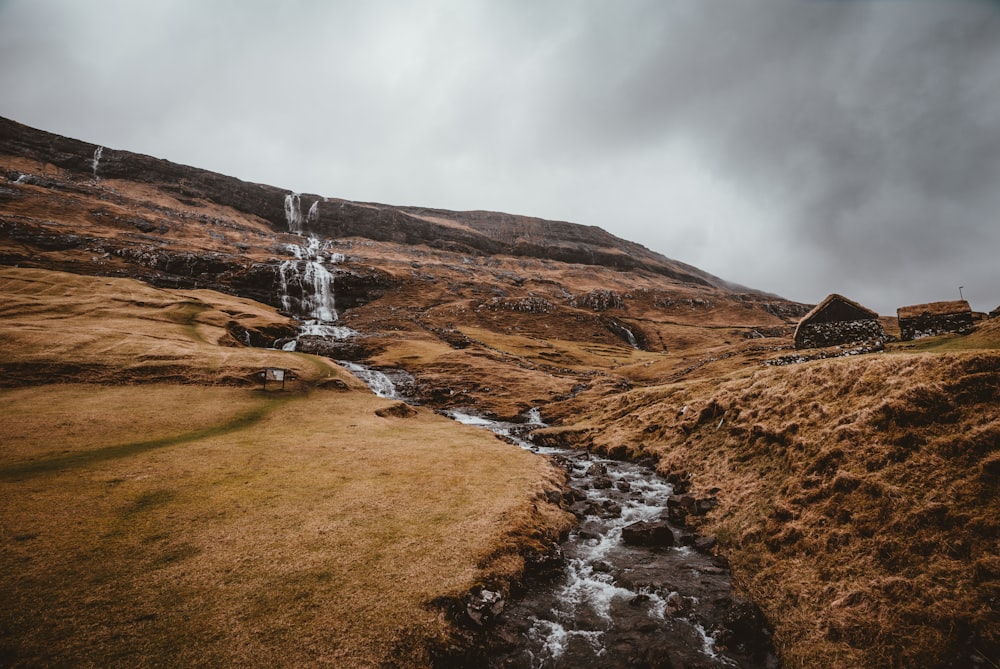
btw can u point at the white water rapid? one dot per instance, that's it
(615, 604)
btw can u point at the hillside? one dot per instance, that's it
(854, 498)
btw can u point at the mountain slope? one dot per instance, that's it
(476, 232)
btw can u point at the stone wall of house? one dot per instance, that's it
(930, 325)
(836, 333)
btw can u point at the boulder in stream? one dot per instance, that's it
(650, 533)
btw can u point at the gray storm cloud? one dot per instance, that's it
(796, 146)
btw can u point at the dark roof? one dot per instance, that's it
(935, 309)
(849, 308)
(832, 298)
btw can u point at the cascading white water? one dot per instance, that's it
(312, 280)
(379, 383)
(96, 161)
(306, 288)
(313, 216)
(293, 213)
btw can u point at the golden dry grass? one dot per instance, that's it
(164, 524)
(858, 499)
(61, 326)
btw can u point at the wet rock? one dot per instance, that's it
(610, 509)
(705, 544)
(597, 469)
(678, 508)
(484, 606)
(601, 567)
(624, 486)
(546, 565)
(677, 604)
(601, 483)
(746, 629)
(554, 496)
(677, 515)
(681, 481)
(654, 534)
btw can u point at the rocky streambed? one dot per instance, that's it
(632, 587)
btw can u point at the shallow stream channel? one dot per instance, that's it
(633, 590)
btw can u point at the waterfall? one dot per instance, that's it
(631, 337)
(310, 279)
(96, 161)
(313, 216)
(306, 288)
(293, 213)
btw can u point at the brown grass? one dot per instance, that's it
(77, 328)
(859, 497)
(165, 524)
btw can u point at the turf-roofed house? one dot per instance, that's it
(934, 318)
(838, 321)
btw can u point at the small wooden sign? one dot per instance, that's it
(274, 374)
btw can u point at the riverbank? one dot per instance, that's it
(856, 498)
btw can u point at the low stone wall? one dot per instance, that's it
(836, 333)
(930, 325)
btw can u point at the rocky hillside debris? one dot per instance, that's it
(838, 352)
(532, 304)
(48, 237)
(453, 337)
(669, 302)
(764, 333)
(599, 299)
(259, 337)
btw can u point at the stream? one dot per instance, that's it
(617, 604)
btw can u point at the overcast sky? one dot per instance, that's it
(800, 147)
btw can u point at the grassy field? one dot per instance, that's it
(199, 523)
